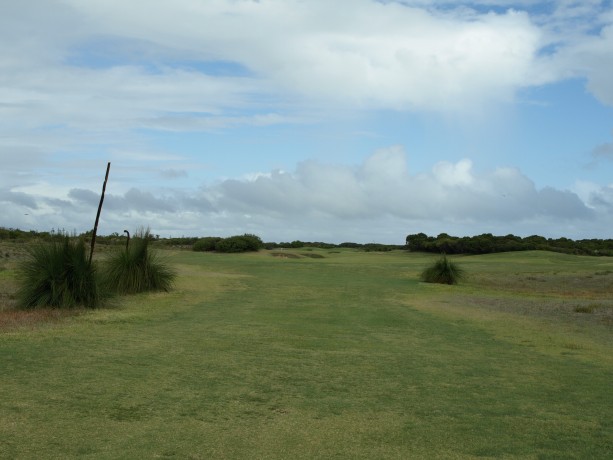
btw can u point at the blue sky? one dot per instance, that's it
(355, 120)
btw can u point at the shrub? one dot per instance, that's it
(206, 244)
(254, 242)
(442, 271)
(241, 243)
(58, 274)
(137, 268)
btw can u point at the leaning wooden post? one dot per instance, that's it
(106, 177)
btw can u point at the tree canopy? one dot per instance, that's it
(488, 243)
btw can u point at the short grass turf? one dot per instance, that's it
(343, 355)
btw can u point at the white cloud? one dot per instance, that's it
(367, 55)
(390, 163)
(591, 56)
(104, 66)
(452, 175)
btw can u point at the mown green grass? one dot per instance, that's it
(343, 356)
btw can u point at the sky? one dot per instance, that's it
(311, 120)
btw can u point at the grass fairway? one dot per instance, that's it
(323, 354)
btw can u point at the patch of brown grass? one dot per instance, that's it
(12, 251)
(8, 290)
(12, 319)
(285, 255)
(313, 255)
(578, 298)
(561, 285)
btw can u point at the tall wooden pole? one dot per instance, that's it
(106, 177)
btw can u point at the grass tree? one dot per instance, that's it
(58, 274)
(136, 268)
(443, 271)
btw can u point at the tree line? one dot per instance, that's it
(488, 243)
(419, 242)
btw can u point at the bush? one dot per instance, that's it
(442, 271)
(137, 268)
(59, 275)
(206, 244)
(242, 243)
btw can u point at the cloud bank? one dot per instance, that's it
(379, 198)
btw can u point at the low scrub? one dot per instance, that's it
(242, 243)
(137, 269)
(443, 272)
(206, 244)
(58, 274)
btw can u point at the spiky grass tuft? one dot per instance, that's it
(58, 275)
(443, 272)
(137, 268)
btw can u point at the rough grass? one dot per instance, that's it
(349, 356)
